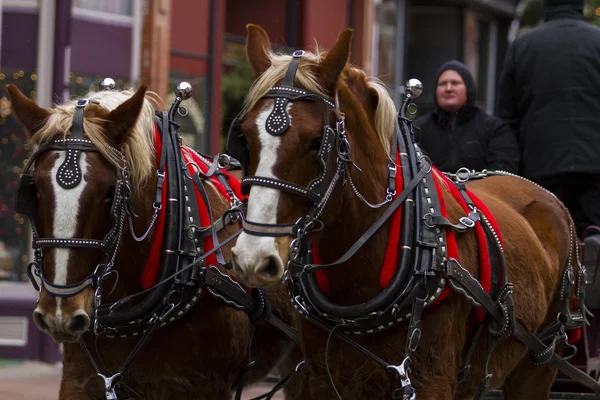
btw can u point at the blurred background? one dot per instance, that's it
(54, 50)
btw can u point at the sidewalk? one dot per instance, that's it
(30, 380)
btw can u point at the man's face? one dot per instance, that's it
(451, 92)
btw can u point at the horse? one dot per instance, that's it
(141, 315)
(384, 256)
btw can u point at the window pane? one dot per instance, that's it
(121, 7)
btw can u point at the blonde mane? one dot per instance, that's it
(138, 149)
(306, 76)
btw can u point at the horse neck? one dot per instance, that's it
(353, 218)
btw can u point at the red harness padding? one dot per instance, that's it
(391, 251)
(391, 255)
(151, 268)
(485, 272)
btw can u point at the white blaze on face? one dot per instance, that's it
(66, 210)
(262, 201)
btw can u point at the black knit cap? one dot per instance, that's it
(464, 72)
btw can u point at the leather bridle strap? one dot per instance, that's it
(284, 186)
(271, 230)
(70, 242)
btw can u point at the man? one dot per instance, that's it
(459, 134)
(549, 92)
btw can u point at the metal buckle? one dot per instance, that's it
(466, 221)
(298, 53)
(463, 174)
(82, 103)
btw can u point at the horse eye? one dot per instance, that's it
(315, 145)
(110, 194)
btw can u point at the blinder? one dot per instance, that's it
(237, 145)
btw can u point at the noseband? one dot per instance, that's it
(69, 176)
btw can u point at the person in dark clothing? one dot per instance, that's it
(549, 92)
(459, 134)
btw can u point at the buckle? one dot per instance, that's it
(82, 103)
(466, 221)
(298, 53)
(463, 174)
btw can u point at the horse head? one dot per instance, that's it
(74, 191)
(308, 121)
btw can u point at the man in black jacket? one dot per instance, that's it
(459, 134)
(549, 92)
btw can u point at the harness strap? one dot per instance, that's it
(215, 239)
(295, 265)
(290, 74)
(470, 287)
(77, 126)
(226, 289)
(464, 223)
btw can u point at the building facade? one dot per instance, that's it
(56, 49)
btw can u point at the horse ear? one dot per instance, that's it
(258, 47)
(335, 61)
(27, 112)
(123, 118)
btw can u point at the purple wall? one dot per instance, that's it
(96, 48)
(100, 49)
(19, 41)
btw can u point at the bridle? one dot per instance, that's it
(318, 191)
(69, 176)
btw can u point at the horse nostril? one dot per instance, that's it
(79, 324)
(270, 268)
(40, 322)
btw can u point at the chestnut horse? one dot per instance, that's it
(94, 166)
(323, 151)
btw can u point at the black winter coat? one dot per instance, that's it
(549, 92)
(475, 140)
